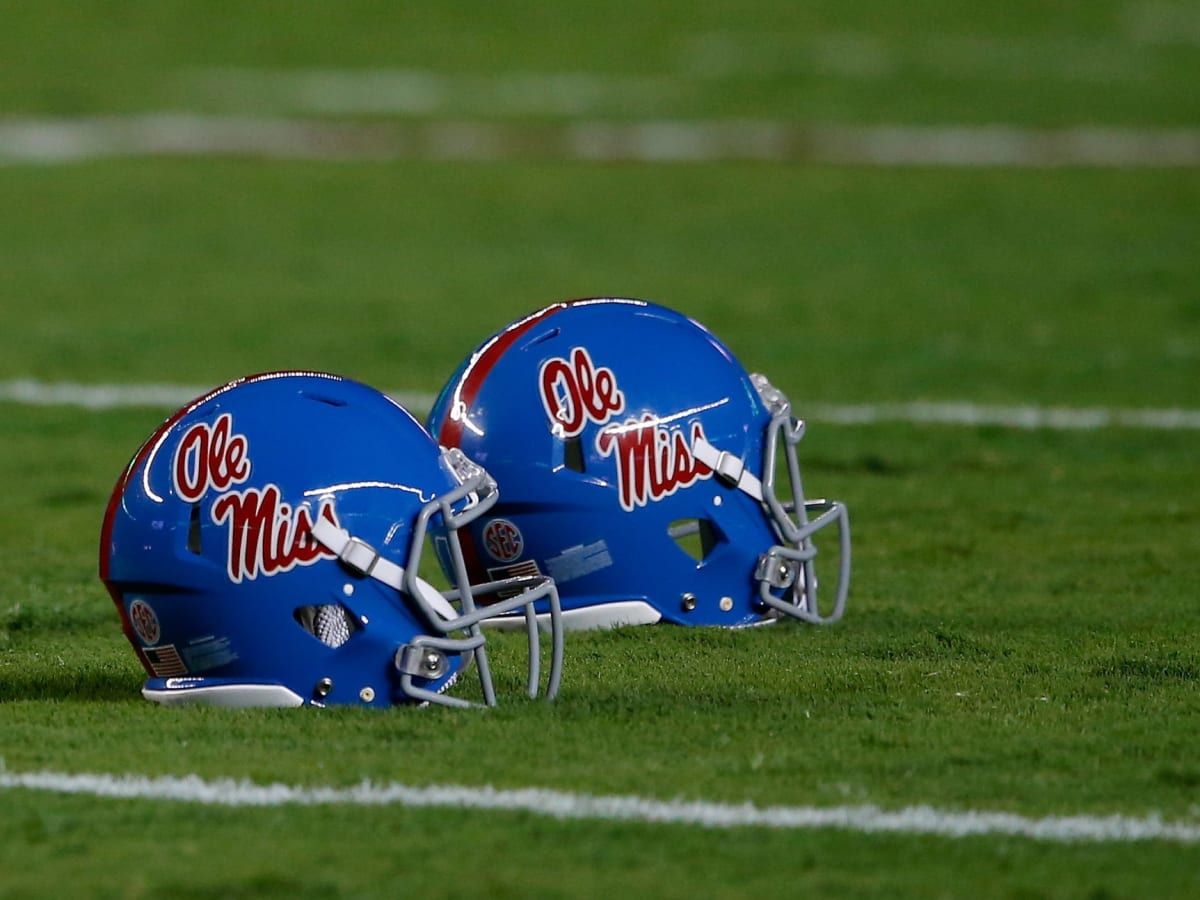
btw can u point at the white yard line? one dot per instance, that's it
(705, 63)
(65, 140)
(563, 805)
(31, 392)
(425, 92)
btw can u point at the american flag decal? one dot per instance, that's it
(165, 661)
(499, 573)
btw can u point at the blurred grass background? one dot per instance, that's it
(1021, 633)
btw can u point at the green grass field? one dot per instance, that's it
(1023, 631)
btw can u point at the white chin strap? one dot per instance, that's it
(362, 559)
(728, 468)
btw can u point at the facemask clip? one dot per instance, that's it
(777, 572)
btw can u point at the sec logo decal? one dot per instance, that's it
(145, 622)
(503, 540)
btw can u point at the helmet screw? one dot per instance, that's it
(367, 694)
(433, 661)
(323, 687)
(687, 602)
(726, 604)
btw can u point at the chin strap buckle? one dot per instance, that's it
(359, 557)
(729, 469)
(364, 561)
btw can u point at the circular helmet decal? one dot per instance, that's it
(503, 540)
(145, 622)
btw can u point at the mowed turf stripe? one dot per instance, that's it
(923, 820)
(66, 140)
(31, 392)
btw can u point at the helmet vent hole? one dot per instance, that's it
(547, 335)
(573, 454)
(329, 623)
(193, 538)
(695, 537)
(323, 398)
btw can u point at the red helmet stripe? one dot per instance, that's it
(477, 370)
(110, 513)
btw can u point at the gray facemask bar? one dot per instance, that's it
(789, 566)
(423, 656)
(478, 489)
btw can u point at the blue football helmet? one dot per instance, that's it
(263, 548)
(642, 468)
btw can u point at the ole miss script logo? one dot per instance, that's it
(265, 535)
(653, 459)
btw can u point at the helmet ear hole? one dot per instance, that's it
(329, 623)
(698, 538)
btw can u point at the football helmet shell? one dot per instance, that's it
(642, 467)
(263, 548)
